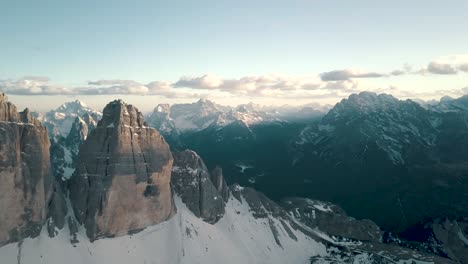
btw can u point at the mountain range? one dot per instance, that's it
(111, 188)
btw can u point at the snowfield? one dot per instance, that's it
(237, 238)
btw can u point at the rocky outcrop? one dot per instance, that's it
(453, 237)
(25, 173)
(78, 132)
(192, 182)
(122, 180)
(219, 182)
(57, 210)
(331, 219)
(343, 245)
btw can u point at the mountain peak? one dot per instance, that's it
(3, 97)
(117, 113)
(162, 108)
(367, 101)
(203, 101)
(446, 98)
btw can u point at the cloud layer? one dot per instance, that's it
(333, 83)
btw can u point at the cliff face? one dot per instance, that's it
(204, 194)
(25, 173)
(122, 180)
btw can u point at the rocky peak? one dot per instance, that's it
(452, 105)
(219, 182)
(118, 113)
(25, 179)
(27, 118)
(162, 108)
(90, 120)
(78, 131)
(366, 102)
(193, 183)
(8, 112)
(122, 181)
(73, 106)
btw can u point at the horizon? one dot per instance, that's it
(231, 53)
(316, 106)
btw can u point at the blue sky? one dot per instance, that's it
(69, 44)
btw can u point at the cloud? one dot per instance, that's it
(32, 85)
(262, 84)
(207, 81)
(465, 90)
(341, 75)
(440, 68)
(448, 65)
(445, 65)
(464, 67)
(346, 85)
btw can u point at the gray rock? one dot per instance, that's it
(219, 182)
(453, 236)
(260, 205)
(78, 132)
(57, 210)
(343, 241)
(25, 173)
(331, 219)
(122, 180)
(192, 182)
(73, 230)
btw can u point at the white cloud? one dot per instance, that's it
(32, 85)
(207, 81)
(449, 64)
(341, 75)
(464, 67)
(441, 68)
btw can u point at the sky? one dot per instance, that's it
(231, 52)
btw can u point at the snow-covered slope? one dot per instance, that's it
(237, 238)
(204, 113)
(60, 120)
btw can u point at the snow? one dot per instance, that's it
(462, 237)
(237, 238)
(322, 208)
(413, 261)
(68, 168)
(243, 167)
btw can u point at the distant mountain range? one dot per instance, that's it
(197, 116)
(396, 162)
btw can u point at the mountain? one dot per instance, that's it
(188, 118)
(60, 120)
(25, 173)
(121, 183)
(448, 104)
(390, 157)
(392, 161)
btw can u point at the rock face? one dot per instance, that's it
(331, 219)
(192, 182)
(219, 182)
(122, 180)
(344, 244)
(453, 236)
(25, 173)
